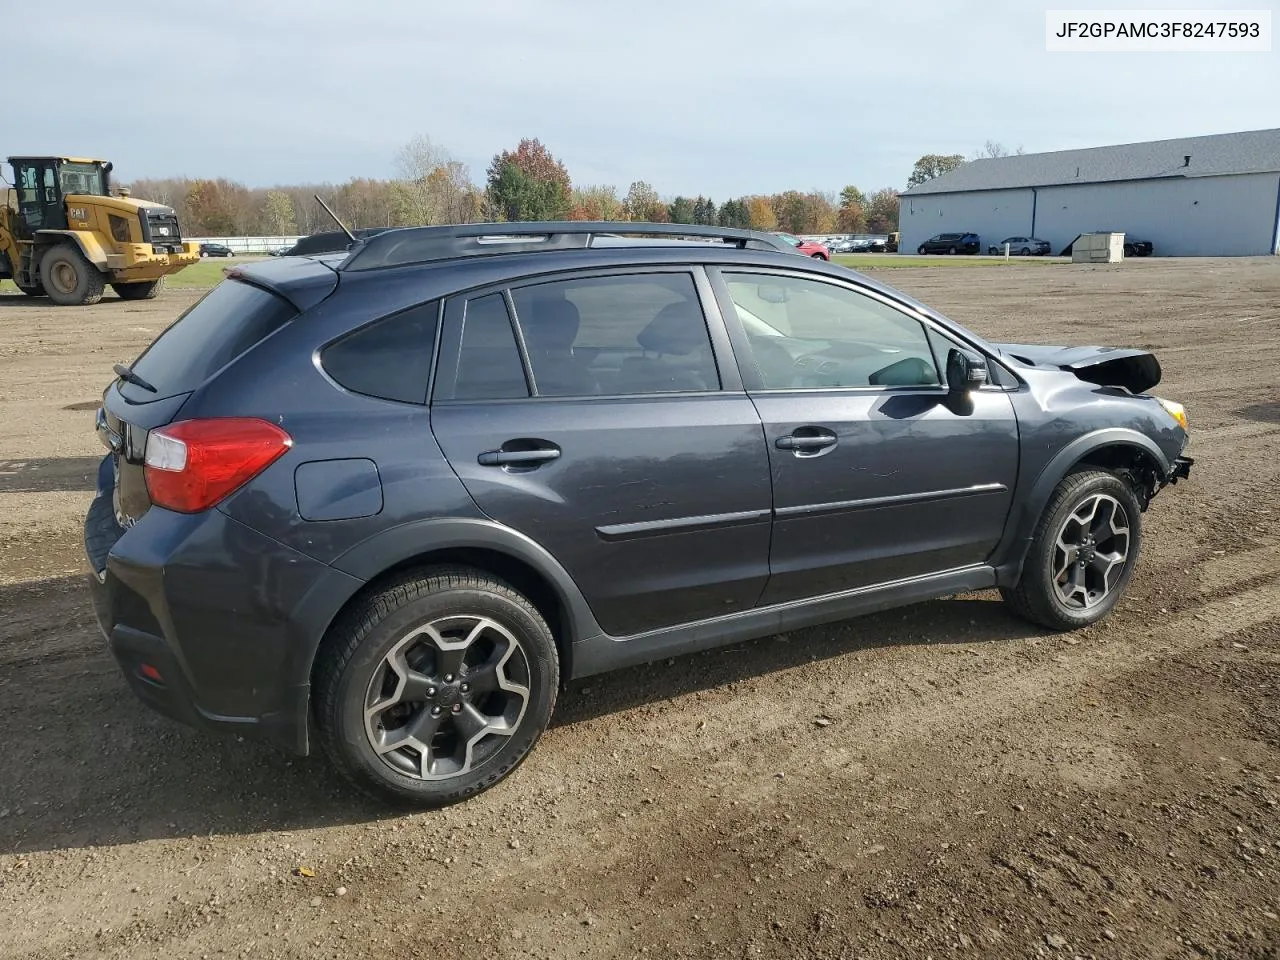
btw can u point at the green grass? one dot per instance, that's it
(869, 261)
(199, 276)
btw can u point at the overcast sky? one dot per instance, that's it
(720, 97)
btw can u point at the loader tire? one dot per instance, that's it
(70, 280)
(147, 290)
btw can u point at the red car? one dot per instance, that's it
(809, 248)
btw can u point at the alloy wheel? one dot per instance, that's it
(447, 696)
(1090, 552)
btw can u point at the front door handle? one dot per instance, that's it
(521, 453)
(807, 439)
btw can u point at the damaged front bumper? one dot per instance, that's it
(1180, 470)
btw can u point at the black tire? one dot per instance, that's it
(69, 280)
(147, 290)
(353, 655)
(1036, 596)
(1025, 251)
(921, 250)
(817, 256)
(952, 251)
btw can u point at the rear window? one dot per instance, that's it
(219, 327)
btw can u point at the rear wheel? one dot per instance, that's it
(436, 687)
(1082, 554)
(147, 290)
(68, 278)
(921, 250)
(951, 250)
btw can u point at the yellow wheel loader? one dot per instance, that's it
(65, 236)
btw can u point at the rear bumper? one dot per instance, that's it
(202, 615)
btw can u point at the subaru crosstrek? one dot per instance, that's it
(389, 500)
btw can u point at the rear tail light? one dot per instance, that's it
(192, 465)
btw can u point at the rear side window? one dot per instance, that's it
(616, 336)
(389, 359)
(225, 323)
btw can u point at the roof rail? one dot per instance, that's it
(399, 247)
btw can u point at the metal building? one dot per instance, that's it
(1216, 196)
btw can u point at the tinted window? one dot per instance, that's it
(390, 359)
(225, 323)
(489, 366)
(807, 334)
(636, 334)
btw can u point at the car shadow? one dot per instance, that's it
(86, 764)
(47, 474)
(1266, 412)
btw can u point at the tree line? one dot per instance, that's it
(526, 183)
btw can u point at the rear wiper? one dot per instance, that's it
(124, 373)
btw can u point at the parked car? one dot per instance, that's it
(1021, 247)
(891, 244)
(810, 248)
(1138, 248)
(216, 250)
(389, 516)
(877, 244)
(951, 243)
(329, 241)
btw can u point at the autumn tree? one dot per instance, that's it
(933, 165)
(596, 203)
(528, 183)
(760, 214)
(851, 214)
(277, 214)
(882, 211)
(210, 208)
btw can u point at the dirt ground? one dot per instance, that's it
(932, 782)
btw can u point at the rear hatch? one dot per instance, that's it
(233, 317)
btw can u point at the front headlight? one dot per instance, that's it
(1175, 410)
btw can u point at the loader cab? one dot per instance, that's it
(43, 183)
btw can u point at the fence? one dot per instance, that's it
(249, 245)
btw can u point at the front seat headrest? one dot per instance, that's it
(555, 324)
(677, 329)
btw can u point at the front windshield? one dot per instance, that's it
(82, 178)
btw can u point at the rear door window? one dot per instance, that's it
(617, 336)
(219, 327)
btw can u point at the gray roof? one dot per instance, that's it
(1254, 151)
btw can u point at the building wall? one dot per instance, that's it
(991, 214)
(1194, 217)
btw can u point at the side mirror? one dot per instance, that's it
(965, 371)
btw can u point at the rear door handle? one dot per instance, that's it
(506, 457)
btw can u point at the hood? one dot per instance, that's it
(1132, 369)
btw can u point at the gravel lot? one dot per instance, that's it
(931, 782)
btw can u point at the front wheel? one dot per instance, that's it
(146, 290)
(1082, 554)
(436, 687)
(817, 256)
(68, 278)
(951, 250)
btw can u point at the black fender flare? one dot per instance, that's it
(1012, 550)
(349, 573)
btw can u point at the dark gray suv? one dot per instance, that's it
(390, 500)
